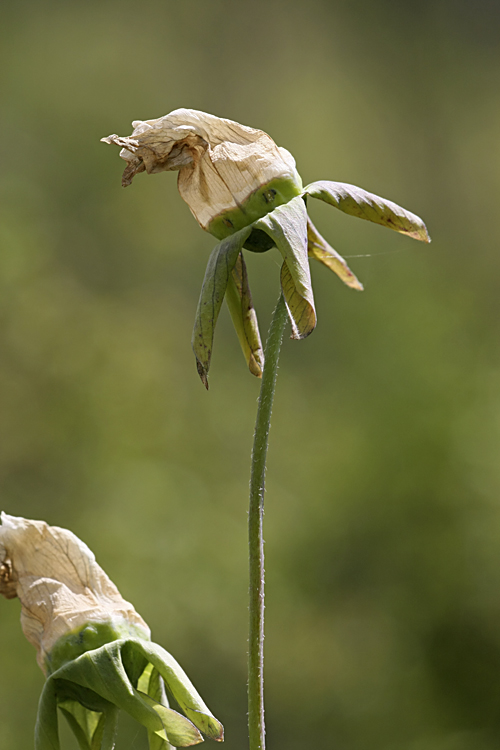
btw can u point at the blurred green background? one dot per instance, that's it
(383, 504)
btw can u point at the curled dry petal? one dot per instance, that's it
(246, 191)
(59, 584)
(221, 164)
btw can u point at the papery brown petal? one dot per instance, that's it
(8, 586)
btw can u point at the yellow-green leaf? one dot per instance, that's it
(357, 202)
(177, 730)
(86, 725)
(180, 686)
(220, 265)
(46, 727)
(287, 227)
(239, 302)
(150, 682)
(319, 249)
(300, 311)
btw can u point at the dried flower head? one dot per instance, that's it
(246, 191)
(93, 646)
(60, 585)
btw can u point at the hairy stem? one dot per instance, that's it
(256, 726)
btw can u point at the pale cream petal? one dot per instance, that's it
(220, 162)
(59, 583)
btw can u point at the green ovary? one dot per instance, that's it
(258, 204)
(90, 636)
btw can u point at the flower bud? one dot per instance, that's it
(246, 191)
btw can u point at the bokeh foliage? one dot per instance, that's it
(383, 516)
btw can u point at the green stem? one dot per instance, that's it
(256, 727)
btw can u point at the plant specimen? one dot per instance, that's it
(246, 191)
(92, 645)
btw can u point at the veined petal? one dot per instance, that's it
(357, 202)
(318, 248)
(239, 302)
(93, 668)
(222, 165)
(287, 227)
(219, 268)
(60, 585)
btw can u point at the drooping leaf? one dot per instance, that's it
(46, 727)
(102, 671)
(357, 202)
(86, 725)
(177, 730)
(151, 683)
(144, 680)
(179, 684)
(81, 738)
(156, 687)
(219, 267)
(287, 227)
(93, 730)
(239, 302)
(302, 316)
(319, 249)
(109, 731)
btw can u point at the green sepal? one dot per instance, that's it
(86, 725)
(102, 672)
(93, 730)
(180, 686)
(219, 267)
(181, 732)
(319, 249)
(103, 679)
(47, 727)
(177, 730)
(301, 313)
(264, 199)
(151, 683)
(239, 302)
(287, 227)
(357, 202)
(88, 637)
(109, 731)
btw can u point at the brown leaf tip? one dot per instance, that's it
(203, 373)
